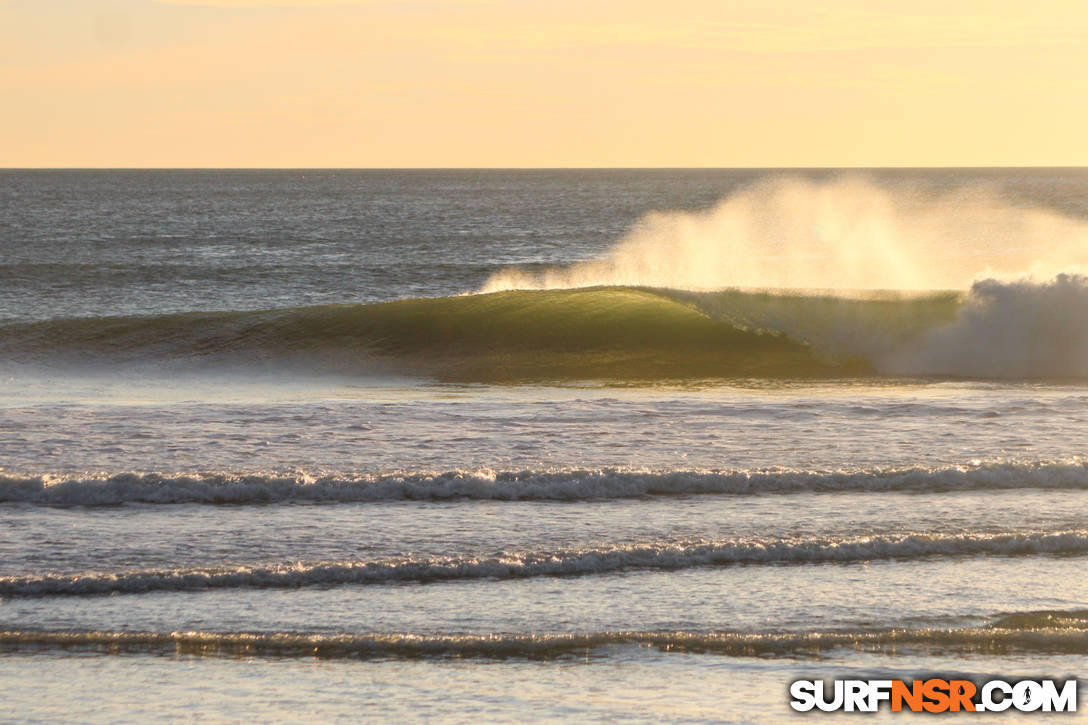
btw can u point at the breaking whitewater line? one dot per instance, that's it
(656, 556)
(526, 485)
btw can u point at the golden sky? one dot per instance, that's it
(478, 83)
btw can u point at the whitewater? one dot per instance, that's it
(548, 445)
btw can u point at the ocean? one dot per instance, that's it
(536, 445)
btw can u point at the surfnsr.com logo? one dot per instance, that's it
(935, 695)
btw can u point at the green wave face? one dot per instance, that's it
(604, 333)
(619, 333)
(837, 327)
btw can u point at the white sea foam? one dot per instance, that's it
(562, 485)
(1017, 330)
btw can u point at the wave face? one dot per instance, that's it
(1012, 330)
(1024, 632)
(662, 556)
(572, 485)
(621, 333)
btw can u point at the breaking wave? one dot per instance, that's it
(1013, 330)
(688, 295)
(1042, 633)
(570, 485)
(565, 334)
(656, 556)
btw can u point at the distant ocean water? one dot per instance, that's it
(535, 445)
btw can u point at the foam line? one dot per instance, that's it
(527, 485)
(653, 556)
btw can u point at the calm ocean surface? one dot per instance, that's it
(266, 455)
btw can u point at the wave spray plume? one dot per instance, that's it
(844, 234)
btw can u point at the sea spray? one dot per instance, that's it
(844, 234)
(1013, 330)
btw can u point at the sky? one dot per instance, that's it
(543, 83)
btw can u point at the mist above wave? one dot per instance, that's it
(844, 234)
(1025, 299)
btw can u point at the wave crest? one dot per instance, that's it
(569, 485)
(657, 556)
(1012, 330)
(892, 642)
